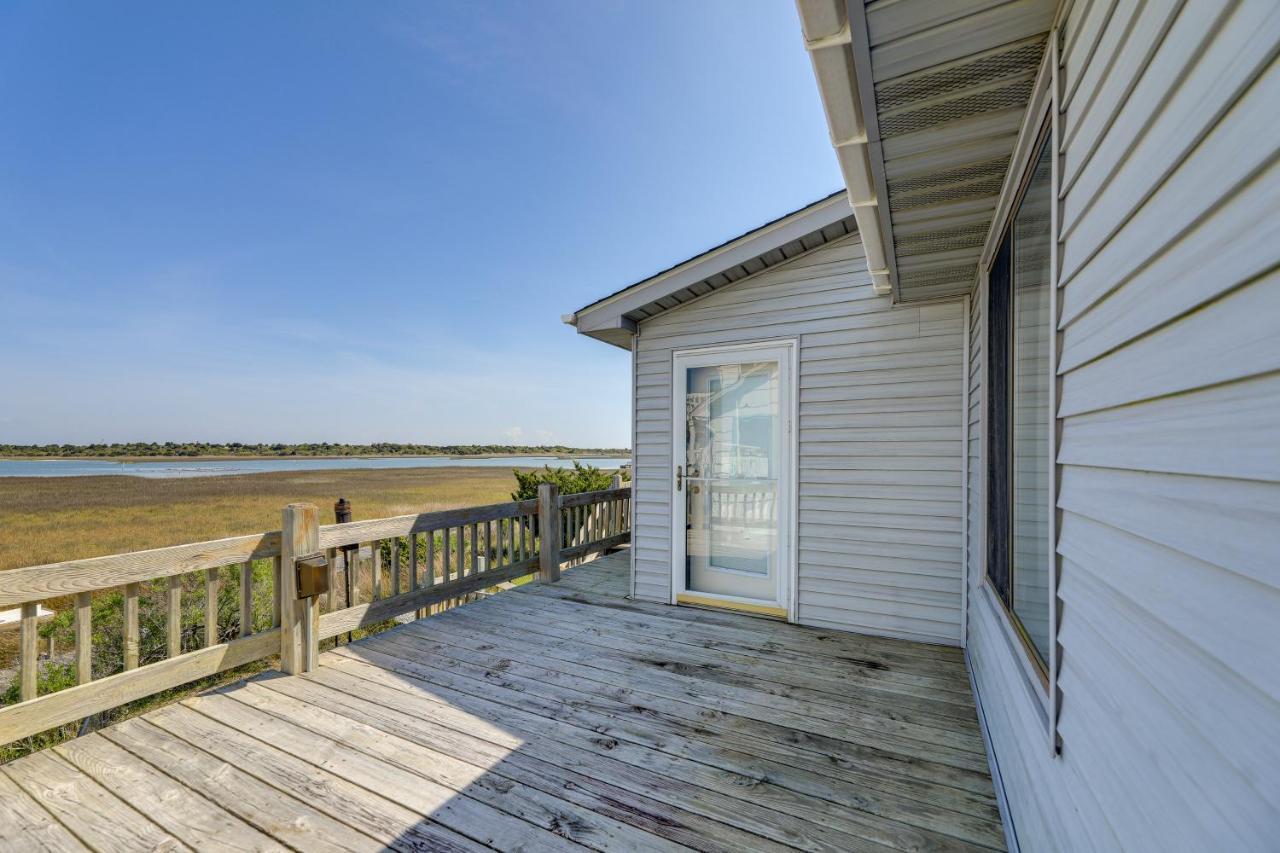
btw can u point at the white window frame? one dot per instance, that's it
(1044, 107)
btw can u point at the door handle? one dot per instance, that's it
(679, 477)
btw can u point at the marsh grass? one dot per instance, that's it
(48, 520)
(51, 519)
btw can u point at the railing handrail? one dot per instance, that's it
(356, 532)
(92, 574)
(530, 538)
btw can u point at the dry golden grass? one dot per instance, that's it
(47, 520)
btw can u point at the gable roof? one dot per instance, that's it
(613, 318)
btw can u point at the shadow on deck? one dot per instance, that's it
(547, 717)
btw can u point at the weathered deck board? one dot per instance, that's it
(550, 717)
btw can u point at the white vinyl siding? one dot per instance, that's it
(880, 392)
(1170, 464)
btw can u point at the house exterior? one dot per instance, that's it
(1014, 388)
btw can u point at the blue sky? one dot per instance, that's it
(309, 221)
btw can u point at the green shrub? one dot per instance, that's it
(579, 478)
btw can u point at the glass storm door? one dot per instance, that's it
(732, 477)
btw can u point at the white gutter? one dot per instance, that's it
(828, 38)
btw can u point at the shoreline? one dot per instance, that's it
(125, 460)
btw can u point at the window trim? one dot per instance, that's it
(1041, 120)
(1038, 664)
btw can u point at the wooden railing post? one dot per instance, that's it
(617, 481)
(549, 531)
(299, 618)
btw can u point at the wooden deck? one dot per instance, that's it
(547, 717)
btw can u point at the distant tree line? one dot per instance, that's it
(235, 448)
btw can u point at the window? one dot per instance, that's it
(1020, 443)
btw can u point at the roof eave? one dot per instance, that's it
(831, 38)
(607, 319)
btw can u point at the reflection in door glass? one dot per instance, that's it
(732, 419)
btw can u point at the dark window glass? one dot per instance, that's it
(1019, 423)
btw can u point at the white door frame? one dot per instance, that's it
(786, 350)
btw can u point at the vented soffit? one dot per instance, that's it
(924, 103)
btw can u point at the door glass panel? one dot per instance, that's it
(732, 454)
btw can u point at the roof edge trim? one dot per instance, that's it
(831, 35)
(610, 312)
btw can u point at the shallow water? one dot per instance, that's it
(168, 468)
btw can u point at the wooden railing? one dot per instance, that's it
(378, 570)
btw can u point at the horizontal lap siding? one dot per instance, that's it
(880, 398)
(1170, 463)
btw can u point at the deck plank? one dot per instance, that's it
(591, 754)
(394, 825)
(791, 789)
(91, 812)
(822, 685)
(550, 717)
(474, 739)
(197, 821)
(25, 825)
(685, 731)
(290, 820)
(960, 748)
(474, 780)
(903, 677)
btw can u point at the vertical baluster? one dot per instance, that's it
(488, 546)
(413, 561)
(395, 566)
(432, 568)
(275, 592)
(331, 602)
(502, 542)
(353, 575)
(131, 639)
(84, 637)
(446, 563)
(246, 598)
(174, 615)
(212, 585)
(475, 550)
(27, 642)
(375, 565)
